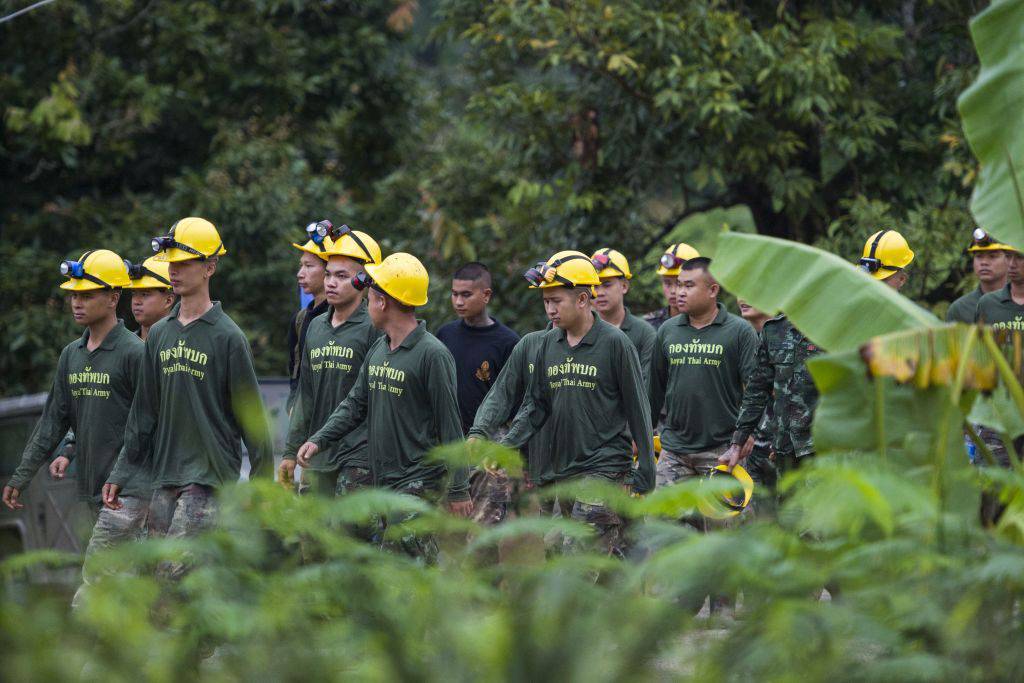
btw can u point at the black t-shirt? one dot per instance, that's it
(480, 354)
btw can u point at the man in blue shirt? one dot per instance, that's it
(481, 346)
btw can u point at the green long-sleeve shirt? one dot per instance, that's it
(506, 396)
(591, 398)
(198, 397)
(964, 309)
(698, 376)
(644, 336)
(407, 399)
(330, 361)
(999, 310)
(92, 394)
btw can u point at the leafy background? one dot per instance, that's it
(458, 129)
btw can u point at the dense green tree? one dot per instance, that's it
(119, 118)
(457, 129)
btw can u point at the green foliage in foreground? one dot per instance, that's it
(282, 591)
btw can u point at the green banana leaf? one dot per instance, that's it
(837, 306)
(992, 110)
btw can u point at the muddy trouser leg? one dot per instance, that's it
(991, 508)
(112, 527)
(491, 492)
(610, 528)
(180, 512)
(322, 482)
(349, 480)
(676, 467)
(765, 475)
(420, 547)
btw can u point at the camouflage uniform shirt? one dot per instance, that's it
(657, 318)
(781, 372)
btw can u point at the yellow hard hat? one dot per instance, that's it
(400, 276)
(354, 244)
(99, 269)
(564, 269)
(885, 253)
(150, 274)
(674, 257)
(982, 241)
(190, 238)
(726, 505)
(610, 263)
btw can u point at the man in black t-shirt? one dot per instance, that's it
(481, 345)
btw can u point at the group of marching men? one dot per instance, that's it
(158, 416)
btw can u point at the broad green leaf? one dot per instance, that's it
(836, 305)
(992, 110)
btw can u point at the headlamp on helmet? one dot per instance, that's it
(670, 261)
(135, 270)
(168, 242)
(535, 275)
(72, 269)
(361, 281)
(320, 230)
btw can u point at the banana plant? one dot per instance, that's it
(838, 306)
(992, 110)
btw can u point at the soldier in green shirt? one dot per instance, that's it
(1003, 309)
(335, 345)
(990, 260)
(310, 277)
(701, 361)
(588, 389)
(91, 393)
(609, 301)
(197, 396)
(405, 393)
(152, 297)
(502, 402)
(668, 270)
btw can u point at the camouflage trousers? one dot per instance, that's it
(335, 482)
(991, 508)
(991, 438)
(675, 467)
(180, 512)
(420, 547)
(491, 492)
(609, 527)
(338, 481)
(112, 528)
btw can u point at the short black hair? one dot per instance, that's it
(701, 263)
(473, 271)
(697, 263)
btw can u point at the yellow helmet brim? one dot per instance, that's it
(610, 273)
(668, 272)
(995, 246)
(80, 285)
(175, 255)
(148, 282)
(312, 250)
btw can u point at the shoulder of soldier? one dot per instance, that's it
(447, 329)
(643, 327)
(158, 328)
